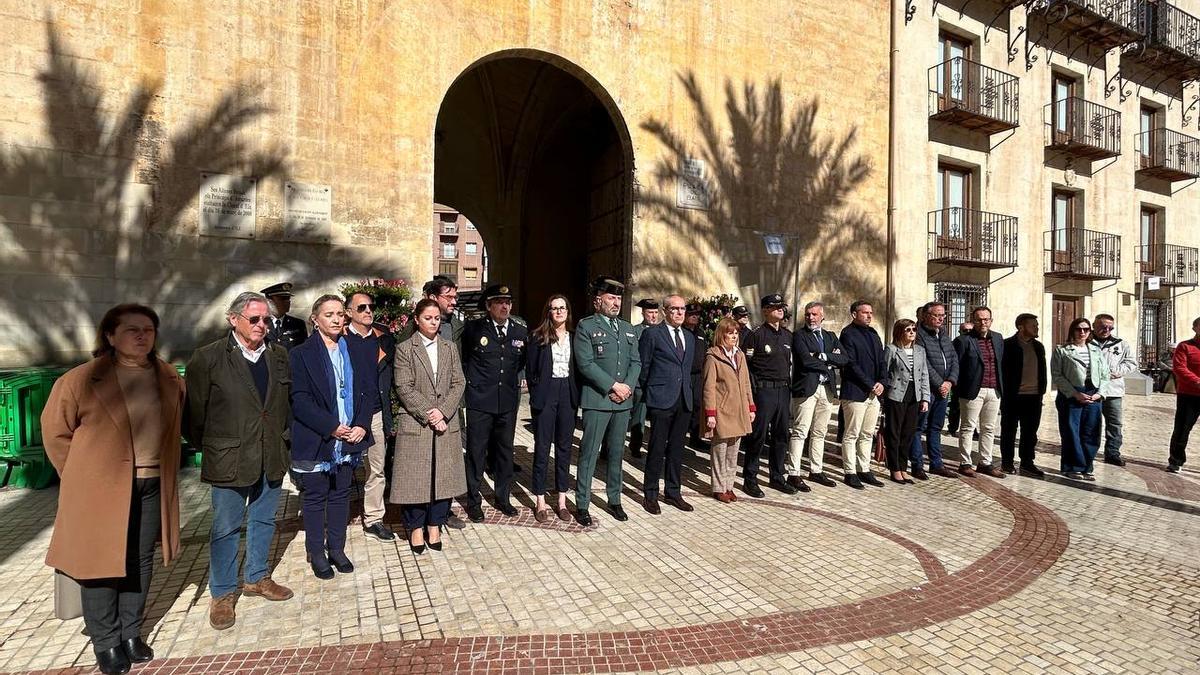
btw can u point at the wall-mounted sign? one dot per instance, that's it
(774, 243)
(307, 212)
(1153, 283)
(691, 191)
(227, 205)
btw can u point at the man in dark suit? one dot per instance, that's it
(979, 388)
(817, 357)
(1024, 374)
(667, 352)
(362, 334)
(284, 330)
(493, 354)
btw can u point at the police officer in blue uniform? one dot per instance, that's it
(651, 315)
(283, 329)
(769, 359)
(493, 356)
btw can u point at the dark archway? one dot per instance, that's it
(532, 150)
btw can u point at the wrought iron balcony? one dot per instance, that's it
(1176, 265)
(973, 96)
(1104, 23)
(1172, 43)
(1075, 253)
(1168, 155)
(1082, 128)
(971, 238)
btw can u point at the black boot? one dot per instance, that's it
(112, 661)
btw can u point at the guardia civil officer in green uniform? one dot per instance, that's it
(651, 314)
(606, 356)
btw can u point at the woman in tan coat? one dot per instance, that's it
(428, 470)
(728, 406)
(111, 428)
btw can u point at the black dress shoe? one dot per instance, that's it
(753, 490)
(1032, 471)
(635, 453)
(325, 572)
(112, 661)
(508, 510)
(1008, 468)
(516, 468)
(869, 478)
(618, 512)
(583, 518)
(475, 513)
(340, 562)
(435, 545)
(782, 487)
(380, 532)
(853, 481)
(1115, 461)
(679, 503)
(920, 474)
(798, 483)
(137, 651)
(651, 506)
(822, 479)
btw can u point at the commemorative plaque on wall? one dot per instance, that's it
(227, 205)
(307, 212)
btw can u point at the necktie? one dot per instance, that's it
(820, 339)
(500, 332)
(679, 343)
(613, 323)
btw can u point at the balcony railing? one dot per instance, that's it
(1172, 43)
(1176, 265)
(973, 96)
(971, 238)
(1082, 128)
(1168, 155)
(1075, 253)
(1104, 23)
(448, 255)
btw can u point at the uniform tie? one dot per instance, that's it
(678, 343)
(500, 332)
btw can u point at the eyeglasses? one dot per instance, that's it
(677, 309)
(1102, 327)
(365, 307)
(254, 320)
(558, 309)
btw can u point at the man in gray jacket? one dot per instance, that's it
(943, 374)
(1121, 362)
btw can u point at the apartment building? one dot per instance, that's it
(458, 250)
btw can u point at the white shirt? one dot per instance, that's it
(560, 358)
(252, 355)
(731, 354)
(431, 351)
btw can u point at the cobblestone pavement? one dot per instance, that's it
(950, 575)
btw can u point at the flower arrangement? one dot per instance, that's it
(393, 300)
(712, 309)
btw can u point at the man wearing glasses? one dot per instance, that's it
(285, 330)
(980, 386)
(442, 290)
(667, 351)
(1121, 362)
(362, 334)
(238, 409)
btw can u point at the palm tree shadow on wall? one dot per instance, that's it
(771, 172)
(96, 216)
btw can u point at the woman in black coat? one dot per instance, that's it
(554, 400)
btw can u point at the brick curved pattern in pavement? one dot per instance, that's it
(1165, 484)
(1037, 539)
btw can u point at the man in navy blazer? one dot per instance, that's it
(493, 356)
(979, 391)
(667, 351)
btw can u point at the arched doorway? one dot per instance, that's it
(533, 151)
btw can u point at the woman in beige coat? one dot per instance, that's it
(111, 429)
(428, 468)
(728, 406)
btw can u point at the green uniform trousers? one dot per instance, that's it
(609, 427)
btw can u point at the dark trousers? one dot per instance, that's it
(1024, 411)
(953, 413)
(898, 429)
(113, 608)
(325, 507)
(1187, 410)
(668, 429)
(553, 423)
(1079, 426)
(929, 423)
(490, 443)
(636, 436)
(771, 428)
(425, 515)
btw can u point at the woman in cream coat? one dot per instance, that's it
(1079, 373)
(728, 406)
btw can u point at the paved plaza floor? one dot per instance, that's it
(951, 575)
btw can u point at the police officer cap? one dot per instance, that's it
(772, 300)
(496, 292)
(648, 303)
(693, 308)
(603, 285)
(282, 288)
(740, 311)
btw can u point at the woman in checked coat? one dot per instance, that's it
(428, 470)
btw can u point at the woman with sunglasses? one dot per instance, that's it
(906, 395)
(332, 406)
(1079, 372)
(554, 401)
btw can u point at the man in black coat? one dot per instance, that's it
(667, 352)
(979, 389)
(493, 355)
(1024, 373)
(284, 329)
(768, 351)
(864, 378)
(692, 323)
(817, 357)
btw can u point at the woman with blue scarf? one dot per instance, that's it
(330, 422)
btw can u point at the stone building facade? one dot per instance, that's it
(655, 140)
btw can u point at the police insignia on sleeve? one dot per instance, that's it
(483, 341)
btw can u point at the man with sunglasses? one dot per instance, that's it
(1121, 362)
(284, 330)
(363, 335)
(238, 408)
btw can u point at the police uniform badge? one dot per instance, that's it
(483, 341)
(518, 343)
(767, 348)
(750, 352)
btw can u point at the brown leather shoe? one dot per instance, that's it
(722, 497)
(221, 612)
(966, 470)
(266, 588)
(990, 470)
(943, 472)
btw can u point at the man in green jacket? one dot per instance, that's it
(606, 355)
